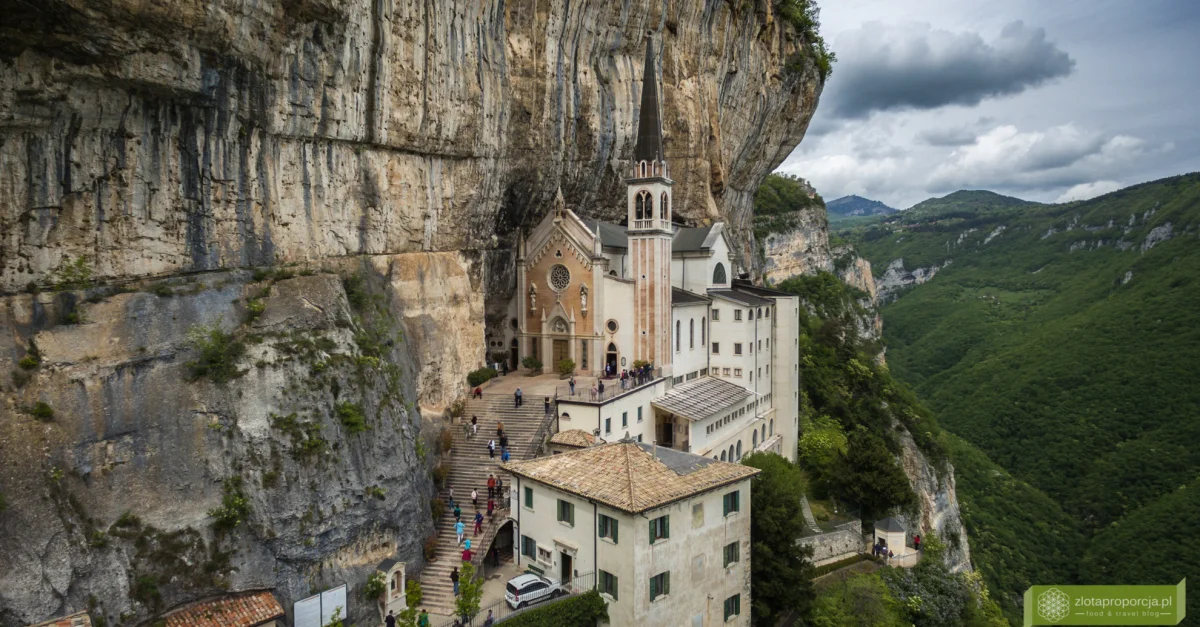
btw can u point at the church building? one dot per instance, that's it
(723, 354)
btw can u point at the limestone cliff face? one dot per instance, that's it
(896, 279)
(112, 496)
(165, 137)
(801, 250)
(937, 503)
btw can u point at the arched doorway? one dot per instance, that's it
(610, 357)
(513, 353)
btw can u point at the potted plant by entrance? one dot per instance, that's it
(566, 368)
(533, 365)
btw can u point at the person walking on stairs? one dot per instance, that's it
(517, 398)
(499, 428)
(454, 579)
(423, 619)
(450, 488)
(572, 384)
(491, 507)
(458, 531)
(503, 443)
(491, 449)
(492, 483)
(474, 426)
(475, 498)
(457, 513)
(478, 522)
(546, 407)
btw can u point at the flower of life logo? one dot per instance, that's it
(1054, 605)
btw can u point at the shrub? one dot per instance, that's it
(375, 587)
(585, 609)
(29, 362)
(437, 507)
(458, 408)
(638, 363)
(146, 591)
(42, 411)
(430, 548)
(377, 492)
(481, 376)
(255, 308)
(445, 440)
(566, 367)
(217, 354)
(440, 472)
(356, 291)
(532, 363)
(163, 291)
(73, 275)
(351, 417)
(234, 509)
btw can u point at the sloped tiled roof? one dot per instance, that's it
(626, 475)
(702, 398)
(611, 235)
(758, 290)
(238, 610)
(889, 524)
(684, 297)
(573, 437)
(689, 239)
(80, 619)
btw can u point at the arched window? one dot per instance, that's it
(703, 326)
(731, 457)
(739, 450)
(692, 333)
(754, 439)
(678, 335)
(662, 207)
(772, 426)
(643, 169)
(722, 455)
(719, 274)
(764, 433)
(643, 209)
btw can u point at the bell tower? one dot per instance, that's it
(648, 190)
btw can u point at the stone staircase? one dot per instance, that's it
(469, 468)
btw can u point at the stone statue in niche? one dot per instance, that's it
(532, 296)
(583, 297)
(560, 326)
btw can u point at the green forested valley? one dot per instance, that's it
(1059, 347)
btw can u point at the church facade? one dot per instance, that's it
(609, 297)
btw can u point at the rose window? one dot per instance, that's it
(560, 277)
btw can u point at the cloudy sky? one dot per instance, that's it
(1043, 100)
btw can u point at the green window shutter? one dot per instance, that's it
(653, 588)
(651, 537)
(613, 523)
(666, 527)
(667, 582)
(529, 498)
(737, 503)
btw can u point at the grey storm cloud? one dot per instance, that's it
(888, 67)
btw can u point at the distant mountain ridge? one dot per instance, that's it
(965, 201)
(856, 206)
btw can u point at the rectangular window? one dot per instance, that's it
(733, 606)
(725, 371)
(528, 547)
(732, 553)
(716, 348)
(608, 584)
(545, 555)
(760, 345)
(608, 528)
(768, 370)
(704, 372)
(752, 376)
(566, 512)
(737, 372)
(660, 585)
(732, 502)
(529, 498)
(760, 373)
(624, 419)
(768, 312)
(639, 414)
(737, 315)
(639, 437)
(608, 425)
(717, 315)
(737, 348)
(660, 529)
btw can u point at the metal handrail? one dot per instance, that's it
(563, 392)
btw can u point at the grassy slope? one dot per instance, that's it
(1080, 386)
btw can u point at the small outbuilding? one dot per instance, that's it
(891, 533)
(571, 440)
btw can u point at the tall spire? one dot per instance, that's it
(649, 137)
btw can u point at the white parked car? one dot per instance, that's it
(529, 589)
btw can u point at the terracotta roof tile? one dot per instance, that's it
(573, 437)
(80, 619)
(627, 476)
(242, 610)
